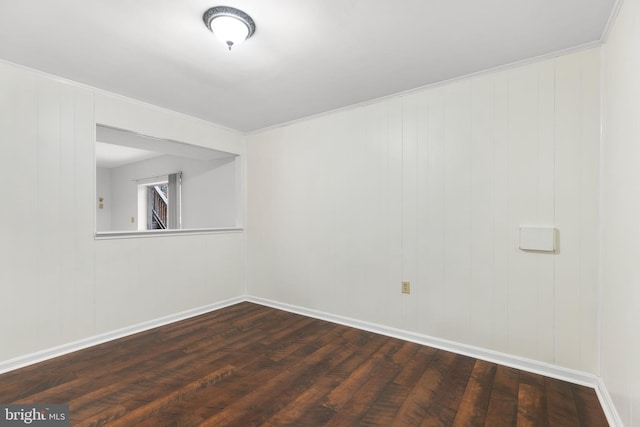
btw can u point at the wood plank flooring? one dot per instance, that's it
(249, 365)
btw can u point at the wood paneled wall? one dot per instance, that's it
(432, 187)
(620, 350)
(58, 284)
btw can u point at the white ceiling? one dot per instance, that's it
(117, 147)
(112, 156)
(306, 57)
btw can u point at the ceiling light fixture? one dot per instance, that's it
(230, 25)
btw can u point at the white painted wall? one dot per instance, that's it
(103, 190)
(432, 187)
(209, 194)
(208, 191)
(620, 349)
(58, 284)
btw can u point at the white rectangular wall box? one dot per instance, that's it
(541, 239)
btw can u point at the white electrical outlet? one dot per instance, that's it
(406, 287)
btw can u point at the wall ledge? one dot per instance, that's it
(110, 235)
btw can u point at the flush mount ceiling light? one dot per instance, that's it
(230, 25)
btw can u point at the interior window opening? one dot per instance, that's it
(146, 185)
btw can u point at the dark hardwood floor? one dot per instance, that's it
(249, 365)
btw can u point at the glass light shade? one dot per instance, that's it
(231, 31)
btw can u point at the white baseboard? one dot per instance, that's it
(529, 365)
(517, 362)
(607, 404)
(30, 359)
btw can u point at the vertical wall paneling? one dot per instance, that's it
(568, 265)
(577, 160)
(620, 347)
(18, 275)
(49, 211)
(362, 216)
(589, 207)
(83, 285)
(457, 211)
(324, 213)
(500, 224)
(411, 141)
(476, 159)
(423, 156)
(527, 271)
(432, 259)
(67, 200)
(482, 210)
(388, 136)
(392, 189)
(61, 284)
(49, 276)
(547, 201)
